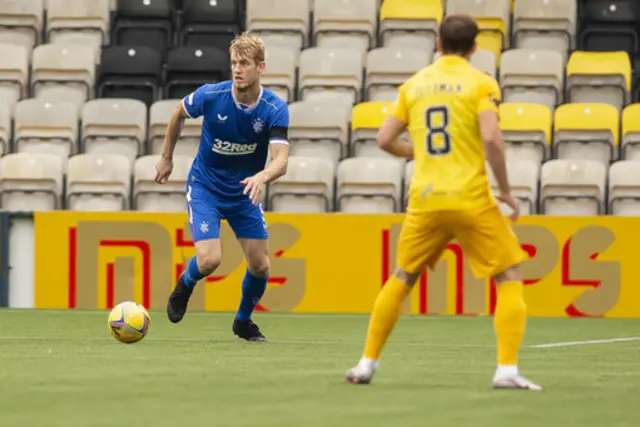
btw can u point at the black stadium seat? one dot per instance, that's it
(130, 72)
(609, 25)
(209, 23)
(190, 67)
(144, 23)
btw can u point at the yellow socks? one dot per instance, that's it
(509, 322)
(386, 311)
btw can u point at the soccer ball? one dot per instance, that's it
(129, 322)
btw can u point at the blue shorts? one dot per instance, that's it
(206, 210)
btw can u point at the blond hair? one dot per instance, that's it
(249, 46)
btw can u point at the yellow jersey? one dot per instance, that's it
(440, 106)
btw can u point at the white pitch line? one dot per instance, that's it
(586, 342)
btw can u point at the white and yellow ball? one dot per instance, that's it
(129, 322)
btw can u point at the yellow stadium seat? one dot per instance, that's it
(366, 119)
(526, 129)
(603, 77)
(587, 131)
(493, 18)
(410, 23)
(631, 132)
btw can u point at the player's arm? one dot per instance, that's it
(394, 125)
(176, 122)
(489, 124)
(190, 106)
(279, 151)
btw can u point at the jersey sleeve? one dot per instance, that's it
(489, 96)
(399, 109)
(279, 126)
(193, 103)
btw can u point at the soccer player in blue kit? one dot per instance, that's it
(243, 123)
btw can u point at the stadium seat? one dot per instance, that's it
(318, 129)
(149, 196)
(46, 127)
(14, 73)
(493, 18)
(98, 182)
(21, 22)
(586, 131)
(5, 128)
(114, 126)
(78, 21)
(532, 76)
(410, 24)
(209, 23)
(609, 25)
(545, 24)
(572, 187)
(159, 115)
(389, 67)
(331, 71)
(369, 185)
(31, 182)
(339, 23)
(130, 72)
(144, 23)
(624, 188)
(280, 22)
(62, 71)
(631, 132)
(190, 67)
(307, 187)
(526, 130)
(280, 74)
(366, 119)
(603, 77)
(483, 60)
(524, 176)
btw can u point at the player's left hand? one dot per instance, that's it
(253, 186)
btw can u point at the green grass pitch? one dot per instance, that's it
(63, 369)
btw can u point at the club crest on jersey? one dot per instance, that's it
(258, 125)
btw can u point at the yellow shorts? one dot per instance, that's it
(486, 238)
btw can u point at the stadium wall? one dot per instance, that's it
(334, 263)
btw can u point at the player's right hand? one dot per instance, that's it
(164, 167)
(512, 202)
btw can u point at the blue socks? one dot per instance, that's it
(252, 290)
(192, 275)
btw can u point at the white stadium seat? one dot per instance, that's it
(307, 187)
(369, 185)
(624, 188)
(114, 126)
(150, 196)
(31, 182)
(573, 187)
(98, 182)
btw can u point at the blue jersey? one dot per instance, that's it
(235, 139)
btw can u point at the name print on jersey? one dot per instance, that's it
(232, 148)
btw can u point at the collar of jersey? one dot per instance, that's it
(452, 60)
(239, 106)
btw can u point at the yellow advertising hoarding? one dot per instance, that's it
(334, 263)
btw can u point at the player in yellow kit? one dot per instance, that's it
(451, 111)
